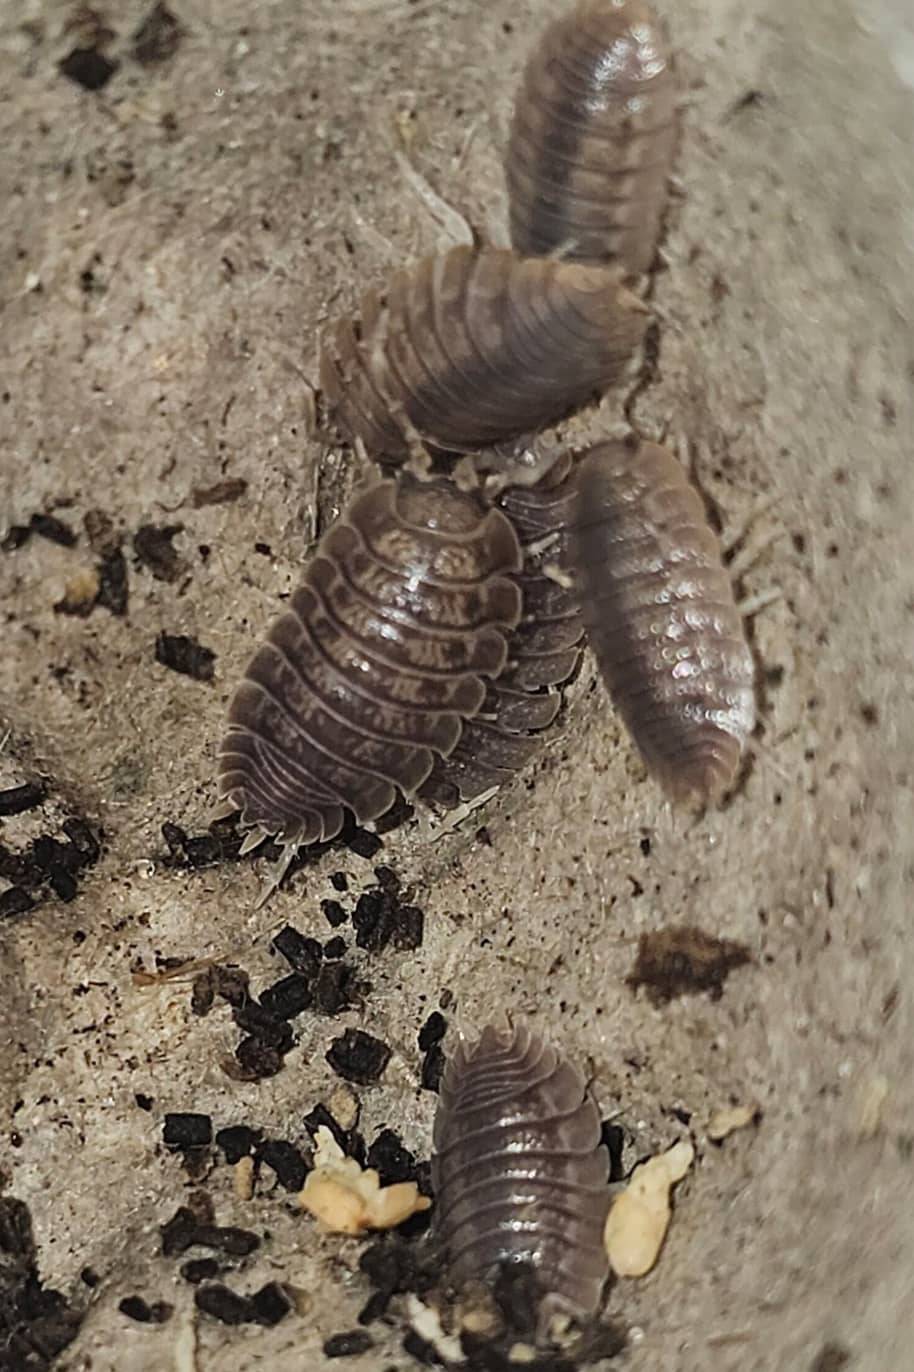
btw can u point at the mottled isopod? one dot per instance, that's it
(593, 137)
(519, 1172)
(474, 348)
(543, 651)
(661, 619)
(367, 677)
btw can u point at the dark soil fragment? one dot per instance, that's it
(410, 928)
(359, 1057)
(229, 983)
(271, 1304)
(178, 1232)
(36, 1323)
(153, 548)
(348, 1345)
(16, 536)
(188, 1130)
(432, 1031)
(613, 1136)
(237, 1243)
(432, 1068)
(237, 1141)
(257, 1060)
(158, 36)
(363, 843)
(262, 1024)
(301, 953)
(340, 882)
(286, 1161)
(112, 582)
(390, 1159)
(683, 960)
(223, 1304)
(223, 493)
(334, 913)
(334, 949)
(88, 67)
(185, 655)
(83, 840)
(424, 1352)
(288, 997)
(832, 1357)
(350, 1141)
(373, 920)
(53, 529)
(337, 988)
(394, 1265)
(220, 844)
(196, 1270)
(15, 800)
(135, 1308)
(15, 901)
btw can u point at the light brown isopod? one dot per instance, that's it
(661, 618)
(593, 137)
(519, 1170)
(543, 651)
(367, 677)
(474, 348)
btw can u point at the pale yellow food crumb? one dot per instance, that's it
(637, 1222)
(348, 1199)
(243, 1178)
(79, 593)
(344, 1107)
(730, 1118)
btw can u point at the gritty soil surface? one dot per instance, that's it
(187, 195)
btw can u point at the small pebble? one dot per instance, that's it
(348, 1345)
(359, 1057)
(187, 1130)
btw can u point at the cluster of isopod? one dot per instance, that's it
(425, 649)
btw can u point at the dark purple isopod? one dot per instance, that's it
(661, 618)
(593, 137)
(519, 1172)
(367, 677)
(543, 652)
(474, 348)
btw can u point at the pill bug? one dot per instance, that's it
(593, 137)
(661, 619)
(475, 347)
(518, 1169)
(402, 612)
(543, 651)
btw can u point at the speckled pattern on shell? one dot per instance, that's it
(593, 137)
(543, 652)
(519, 1172)
(661, 618)
(368, 675)
(475, 347)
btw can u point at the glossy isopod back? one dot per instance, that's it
(661, 617)
(474, 348)
(367, 677)
(593, 137)
(518, 1169)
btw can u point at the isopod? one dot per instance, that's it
(367, 677)
(661, 618)
(476, 347)
(543, 651)
(518, 1169)
(593, 137)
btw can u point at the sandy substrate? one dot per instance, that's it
(170, 244)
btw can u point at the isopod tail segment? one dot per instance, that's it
(402, 613)
(519, 1171)
(474, 348)
(661, 618)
